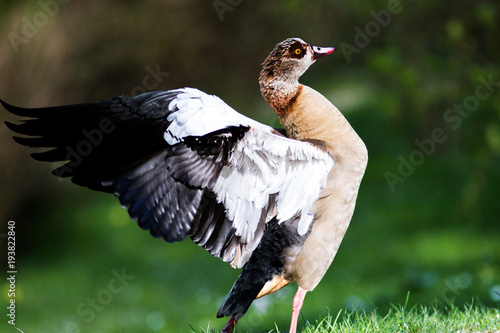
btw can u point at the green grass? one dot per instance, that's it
(418, 319)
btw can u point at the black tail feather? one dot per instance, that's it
(266, 262)
(243, 293)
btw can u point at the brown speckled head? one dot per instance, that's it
(282, 69)
(288, 60)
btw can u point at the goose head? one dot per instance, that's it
(284, 66)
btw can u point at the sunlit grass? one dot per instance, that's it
(398, 318)
(473, 318)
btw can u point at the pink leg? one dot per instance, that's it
(298, 300)
(231, 324)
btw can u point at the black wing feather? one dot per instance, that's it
(172, 187)
(97, 139)
(156, 200)
(117, 146)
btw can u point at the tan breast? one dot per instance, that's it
(312, 117)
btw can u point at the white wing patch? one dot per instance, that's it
(263, 167)
(264, 164)
(195, 113)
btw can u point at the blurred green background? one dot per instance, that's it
(411, 77)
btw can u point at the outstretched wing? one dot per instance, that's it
(184, 164)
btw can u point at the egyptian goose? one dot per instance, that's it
(184, 163)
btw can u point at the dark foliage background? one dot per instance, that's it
(427, 220)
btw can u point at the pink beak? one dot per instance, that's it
(321, 51)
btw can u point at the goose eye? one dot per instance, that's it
(296, 50)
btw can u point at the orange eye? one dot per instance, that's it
(297, 51)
